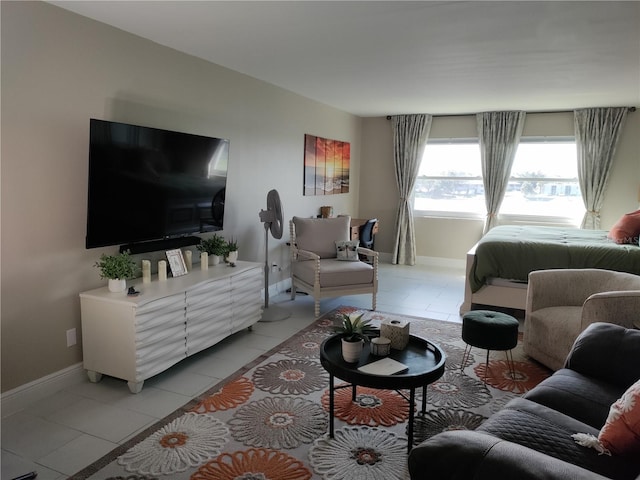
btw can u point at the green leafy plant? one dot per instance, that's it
(232, 245)
(214, 245)
(119, 266)
(354, 328)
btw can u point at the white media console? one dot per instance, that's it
(137, 337)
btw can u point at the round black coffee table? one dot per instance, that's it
(425, 362)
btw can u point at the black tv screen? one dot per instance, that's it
(152, 184)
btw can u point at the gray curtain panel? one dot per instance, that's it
(499, 135)
(410, 133)
(597, 133)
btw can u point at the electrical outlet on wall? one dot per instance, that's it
(71, 337)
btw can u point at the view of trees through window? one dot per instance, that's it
(543, 182)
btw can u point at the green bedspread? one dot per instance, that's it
(511, 252)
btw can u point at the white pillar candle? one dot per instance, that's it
(188, 259)
(146, 271)
(204, 261)
(162, 270)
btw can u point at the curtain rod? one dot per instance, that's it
(630, 109)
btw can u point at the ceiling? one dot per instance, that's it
(375, 58)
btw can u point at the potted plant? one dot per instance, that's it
(231, 254)
(355, 331)
(214, 246)
(117, 268)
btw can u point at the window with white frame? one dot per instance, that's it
(543, 183)
(449, 181)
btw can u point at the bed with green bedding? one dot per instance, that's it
(510, 252)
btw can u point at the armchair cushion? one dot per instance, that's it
(318, 235)
(348, 250)
(334, 273)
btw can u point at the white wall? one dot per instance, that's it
(58, 71)
(452, 237)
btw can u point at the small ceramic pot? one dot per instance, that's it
(232, 257)
(117, 285)
(380, 346)
(351, 350)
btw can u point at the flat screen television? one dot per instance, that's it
(148, 184)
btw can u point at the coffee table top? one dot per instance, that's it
(425, 361)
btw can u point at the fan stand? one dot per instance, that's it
(270, 313)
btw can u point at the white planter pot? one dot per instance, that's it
(351, 351)
(214, 259)
(117, 285)
(232, 257)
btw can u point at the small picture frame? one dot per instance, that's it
(176, 262)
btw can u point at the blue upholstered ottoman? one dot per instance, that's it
(491, 331)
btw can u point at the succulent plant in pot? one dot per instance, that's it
(231, 253)
(214, 246)
(117, 268)
(355, 331)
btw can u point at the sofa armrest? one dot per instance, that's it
(607, 352)
(467, 454)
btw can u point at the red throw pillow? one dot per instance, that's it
(627, 229)
(621, 432)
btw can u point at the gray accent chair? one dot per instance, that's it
(561, 303)
(315, 268)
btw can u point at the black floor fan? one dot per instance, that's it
(272, 219)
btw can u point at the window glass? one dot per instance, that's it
(543, 183)
(450, 180)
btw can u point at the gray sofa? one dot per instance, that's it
(530, 438)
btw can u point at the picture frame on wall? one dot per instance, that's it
(176, 262)
(326, 166)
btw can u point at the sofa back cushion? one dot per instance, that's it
(319, 235)
(607, 352)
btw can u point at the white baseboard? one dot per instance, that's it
(17, 399)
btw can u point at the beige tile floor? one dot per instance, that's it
(61, 434)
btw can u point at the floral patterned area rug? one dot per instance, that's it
(269, 421)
